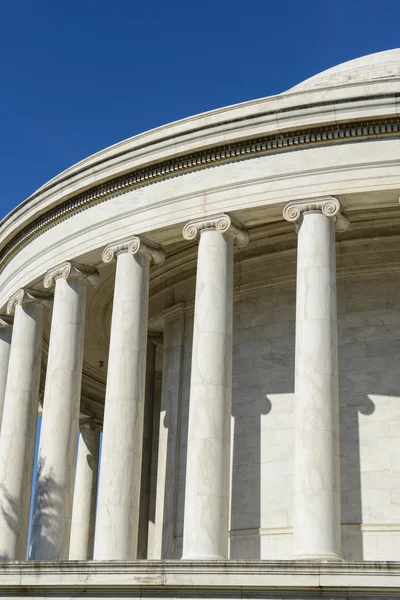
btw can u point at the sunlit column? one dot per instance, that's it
(85, 489)
(206, 518)
(120, 471)
(316, 519)
(51, 522)
(18, 429)
(5, 346)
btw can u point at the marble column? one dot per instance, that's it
(5, 346)
(153, 340)
(85, 491)
(120, 472)
(316, 518)
(206, 515)
(18, 430)
(51, 521)
(168, 444)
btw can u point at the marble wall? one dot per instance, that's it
(263, 420)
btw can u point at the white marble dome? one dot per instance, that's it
(220, 295)
(373, 67)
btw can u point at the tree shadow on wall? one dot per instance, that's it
(45, 521)
(11, 513)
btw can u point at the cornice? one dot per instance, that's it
(221, 154)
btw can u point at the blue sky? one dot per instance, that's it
(78, 76)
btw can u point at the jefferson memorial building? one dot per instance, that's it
(207, 317)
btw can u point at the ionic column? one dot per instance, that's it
(84, 504)
(316, 519)
(168, 444)
(153, 340)
(5, 345)
(18, 430)
(51, 521)
(206, 518)
(119, 490)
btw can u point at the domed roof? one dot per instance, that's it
(378, 66)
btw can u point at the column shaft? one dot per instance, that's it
(120, 473)
(5, 346)
(148, 419)
(18, 430)
(206, 518)
(84, 504)
(316, 527)
(168, 446)
(51, 522)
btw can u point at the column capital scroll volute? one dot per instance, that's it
(222, 223)
(29, 296)
(71, 269)
(329, 206)
(134, 245)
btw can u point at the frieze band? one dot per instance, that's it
(236, 151)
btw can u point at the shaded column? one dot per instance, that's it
(168, 445)
(316, 519)
(51, 521)
(5, 346)
(85, 491)
(18, 429)
(120, 472)
(206, 518)
(153, 340)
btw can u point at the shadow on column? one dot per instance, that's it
(45, 524)
(245, 542)
(11, 512)
(350, 474)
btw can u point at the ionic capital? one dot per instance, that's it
(90, 423)
(5, 321)
(327, 205)
(134, 245)
(155, 338)
(28, 296)
(71, 269)
(221, 223)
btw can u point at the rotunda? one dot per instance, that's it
(220, 297)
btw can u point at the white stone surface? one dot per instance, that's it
(316, 519)
(5, 345)
(168, 445)
(51, 520)
(147, 447)
(119, 489)
(18, 429)
(85, 493)
(206, 515)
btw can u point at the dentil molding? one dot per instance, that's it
(328, 134)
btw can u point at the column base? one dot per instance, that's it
(323, 556)
(205, 557)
